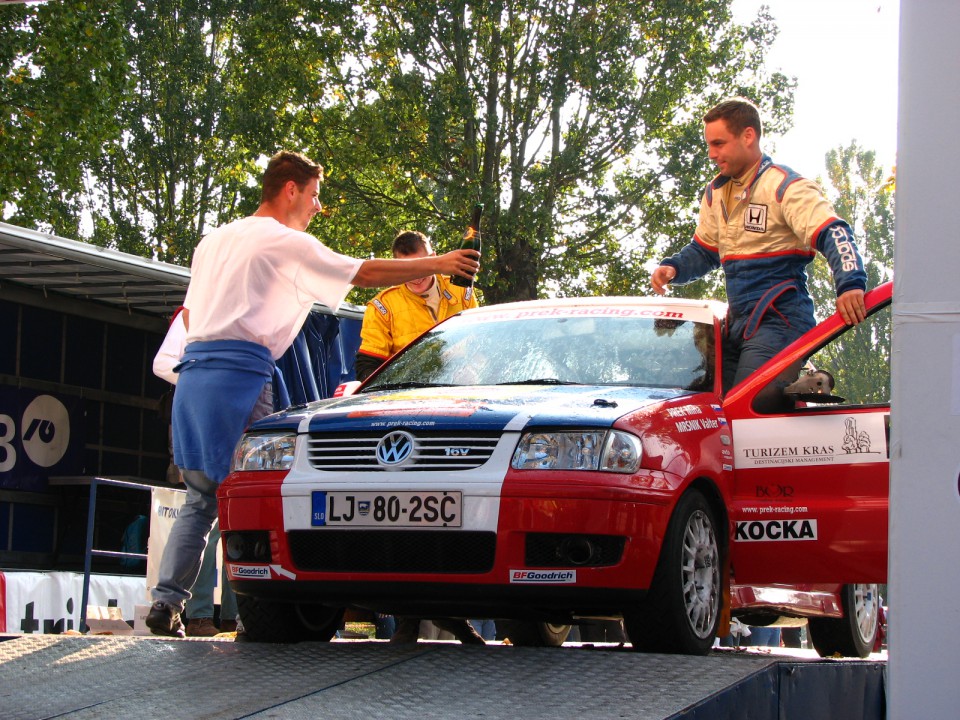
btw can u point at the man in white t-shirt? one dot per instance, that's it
(252, 284)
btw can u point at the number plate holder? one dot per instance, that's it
(386, 509)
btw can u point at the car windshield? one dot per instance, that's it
(601, 350)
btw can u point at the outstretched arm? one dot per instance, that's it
(378, 272)
(694, 261)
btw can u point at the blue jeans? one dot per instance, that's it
(763, 636)
(200, 604)
(486, 628)
(759, 636)
(742, 356)
(183, 554)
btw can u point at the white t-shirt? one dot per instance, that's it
(256, 279)
(171, 350)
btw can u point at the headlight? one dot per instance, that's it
(609, 451)
(265, 452)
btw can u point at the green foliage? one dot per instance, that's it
(214, 87)
(576, 124)
(61, 66)
(153, 116)
(864, 195)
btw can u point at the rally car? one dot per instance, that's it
(552, 461)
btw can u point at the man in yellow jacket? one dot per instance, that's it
(393, 319)
(399, 314)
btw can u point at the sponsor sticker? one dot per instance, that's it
(755, 218)
(250, 572)
(694, 424)
(543, 577)
(803, 441)
(682, 410)
(776, 530)
(774, 491)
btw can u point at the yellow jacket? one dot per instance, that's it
(397, 316)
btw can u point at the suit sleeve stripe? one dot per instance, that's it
(819, 230)
(755, 256)
(705, 245)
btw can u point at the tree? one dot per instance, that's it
(60, 69)
(151, 116)
(214, 87)
(864, 194)
(577, 125)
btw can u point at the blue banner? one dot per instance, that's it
(40, 435)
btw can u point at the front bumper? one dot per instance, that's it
(510, 566)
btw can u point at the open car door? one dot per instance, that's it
(811, 471)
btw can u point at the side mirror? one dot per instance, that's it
(814, 386)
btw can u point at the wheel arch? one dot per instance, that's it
(708, 488)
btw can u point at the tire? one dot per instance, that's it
(681, 612)
(278, 622)
(530, 633)
(855, 634)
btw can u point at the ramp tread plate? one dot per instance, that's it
(43, 676)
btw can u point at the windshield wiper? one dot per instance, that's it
(540, 381)
(405, 385)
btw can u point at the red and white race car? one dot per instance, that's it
(552, 461)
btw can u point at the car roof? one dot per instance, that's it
(705, 311)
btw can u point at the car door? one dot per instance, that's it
(811, 480)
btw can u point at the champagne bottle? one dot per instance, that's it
(471, 241)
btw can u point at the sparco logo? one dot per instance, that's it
(395, 448)
(848, 256)
(776, 530)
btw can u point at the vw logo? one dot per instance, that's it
(395, 448)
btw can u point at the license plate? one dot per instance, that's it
(398, 509)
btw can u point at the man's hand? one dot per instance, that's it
(661, 278)
(851, 307)
(460, 262)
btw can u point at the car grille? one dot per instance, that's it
(433, 451)
(408, 551)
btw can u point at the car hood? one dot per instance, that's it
(484, 408)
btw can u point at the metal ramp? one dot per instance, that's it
(47, 676)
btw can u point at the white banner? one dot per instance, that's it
(165, 505)
(49, 602)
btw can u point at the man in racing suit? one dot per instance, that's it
(763, 223)
(397, 315)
